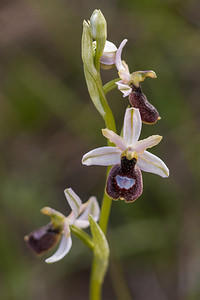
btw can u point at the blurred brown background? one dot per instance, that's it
(47, 122)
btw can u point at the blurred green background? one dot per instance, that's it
(47, 122)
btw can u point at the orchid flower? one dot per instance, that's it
(129, 157)
(46, 237)
(129, 85)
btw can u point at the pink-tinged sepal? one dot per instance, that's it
(148, 112)
(125, 181)
(43, 238)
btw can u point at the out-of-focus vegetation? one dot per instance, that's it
(47, 122)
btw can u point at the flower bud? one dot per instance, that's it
(125, 181)
(107, 60)
(43, 238)
(98, 25)
(98, 30)
(148, 112)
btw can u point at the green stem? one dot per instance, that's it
(91, 64)
(109, 86)
(108, 116)
(96, 279)
(95, 284)
(83, 236)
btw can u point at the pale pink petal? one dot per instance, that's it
(115, 138)
(149, 162)
(103, 156)
(149, 142)
(124, 88)
(132, 126)
(118, 60)
(74, 201)
(91, 207)
(63, 249)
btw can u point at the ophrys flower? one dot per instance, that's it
(46, 237)
(130, 85)
(128, 157)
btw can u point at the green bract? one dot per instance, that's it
(101, 251)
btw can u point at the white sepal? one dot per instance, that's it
(103, 156)
(149, 162)
(115, 138)
(132, 126)
(74, 201)
(63, 249)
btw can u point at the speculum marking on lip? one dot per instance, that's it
(124, 182)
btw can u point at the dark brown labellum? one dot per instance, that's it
(148, 112)
(43, 239)
(125, 181)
